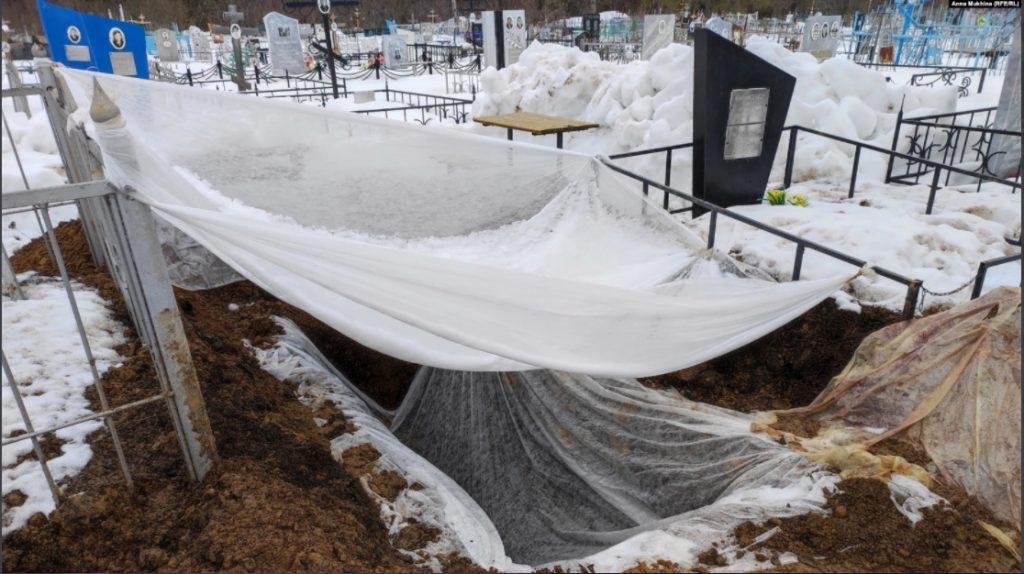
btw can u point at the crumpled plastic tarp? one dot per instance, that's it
(437, 247)
(950, 381)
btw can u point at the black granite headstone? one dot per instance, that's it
(739, 108)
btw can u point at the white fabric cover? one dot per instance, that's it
(434, 246)
(552, 469)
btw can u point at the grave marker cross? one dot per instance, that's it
(233, 17)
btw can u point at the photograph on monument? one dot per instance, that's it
(464, 286)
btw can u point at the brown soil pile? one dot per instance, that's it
(865, 533)
(275, 501)
(785, 369)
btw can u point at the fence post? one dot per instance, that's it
(895, 142)
(979, 280)
(853, 176)
(668, 169)
(20, 102)
(220, 70)
(790, 156)
(933, 190)
(59, 105)
(712, 225)
(188, 74)
(910, 303)
(160, 316)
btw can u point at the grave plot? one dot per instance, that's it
(500, 273)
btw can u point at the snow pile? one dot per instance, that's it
(650, 104)
(42, 345)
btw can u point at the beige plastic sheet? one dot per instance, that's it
(950, 381)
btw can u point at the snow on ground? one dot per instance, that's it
(42, 346)
(41, 162)
(886, 226)
(40, 339)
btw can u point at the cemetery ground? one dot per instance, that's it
(278, 500)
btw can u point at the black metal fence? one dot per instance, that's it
(420, 107)
(926, 165)
(965, 143)
(963, 78)
(802, 245)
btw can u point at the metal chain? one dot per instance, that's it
(926, 291)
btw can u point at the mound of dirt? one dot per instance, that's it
(278, 501)
(275, 501)
(785, 369)
(865, 533)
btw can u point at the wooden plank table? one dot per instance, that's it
(536, 124)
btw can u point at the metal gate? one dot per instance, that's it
(122, 238)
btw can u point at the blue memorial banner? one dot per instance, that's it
(88, 42)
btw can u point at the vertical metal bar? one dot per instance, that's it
(10, 277)
(853, 175)
(24, 181)
(895, 143)
(668, 168)
(798, 263)
(58, 105)
(979, 280)
(712, 228)
(170, 348)
(934, 188)
(40, 455)
(558, 140)
(87, 348)
(910, 303)
(790, 157)
(146, 265)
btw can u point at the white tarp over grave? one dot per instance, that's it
(555, 469)
(440, 248)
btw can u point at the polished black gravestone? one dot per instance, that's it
(739, 108)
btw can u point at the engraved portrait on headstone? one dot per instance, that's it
(117, 38)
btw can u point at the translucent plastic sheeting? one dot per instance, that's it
(433, 246)
(950, 381)
(548, 468)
